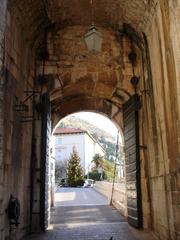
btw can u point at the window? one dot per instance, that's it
(58, 140)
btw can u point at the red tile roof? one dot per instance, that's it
(68, 131)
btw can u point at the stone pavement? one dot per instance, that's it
(85, 214)
(92, 231)
(86, 221)
(78, 197)
(89, 223)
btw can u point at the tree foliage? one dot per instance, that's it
(94, 175)
(98, 160)
(74, 170)
(106, 167)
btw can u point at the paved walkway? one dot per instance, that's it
(87, 221)
(85, 214)
(78, 197)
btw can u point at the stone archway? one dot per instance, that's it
(85, 103)
(79, 80)
(126, 117)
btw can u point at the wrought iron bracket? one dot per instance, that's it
(22, 107)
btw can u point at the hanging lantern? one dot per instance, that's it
(93, 40)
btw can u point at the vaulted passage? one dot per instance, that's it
(47, 72)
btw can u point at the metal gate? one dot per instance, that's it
(45, 155)
(131, 137)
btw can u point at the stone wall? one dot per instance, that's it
(118, 197)
(18, 71)
(160, 114)
(2, 46)
(101, 83)
(84, 81)
(79, 72)
(161, 131)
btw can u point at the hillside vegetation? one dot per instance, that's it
(107, 141)
(75, 122)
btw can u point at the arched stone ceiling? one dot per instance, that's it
(31, 15)
(77, 72)
(36, 15)
(107, 13)
(87, 103)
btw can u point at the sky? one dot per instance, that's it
(98, 120)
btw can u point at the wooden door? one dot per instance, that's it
(132, 159)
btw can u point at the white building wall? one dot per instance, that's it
(52, 158)
(89, 152)
(52, 170)
(64, 146)
(91, 148)
(85, 146)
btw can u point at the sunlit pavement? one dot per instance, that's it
(78, 197)
(82, 213)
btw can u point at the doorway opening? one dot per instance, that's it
(95, 143)
(129, 120)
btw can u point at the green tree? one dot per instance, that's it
(98, 160)
(108, 168)
(74, 170)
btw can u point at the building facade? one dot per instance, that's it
(85, 144)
